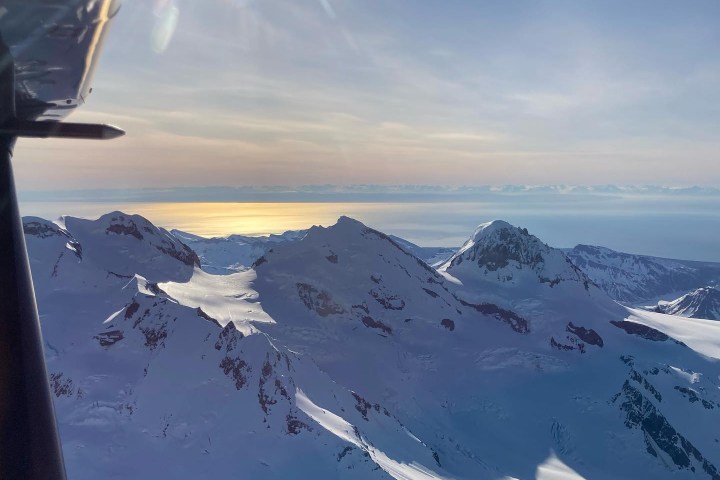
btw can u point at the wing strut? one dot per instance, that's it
(29, 444)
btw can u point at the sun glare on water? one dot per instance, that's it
(219, 219)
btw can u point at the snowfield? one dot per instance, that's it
(338, 353)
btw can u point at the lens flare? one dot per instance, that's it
(166, 22)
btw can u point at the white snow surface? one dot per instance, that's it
(233, 253)
(342, 355)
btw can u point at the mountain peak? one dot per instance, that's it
(344, 219)
(502, 253)
(144, 248)
(701, 303)
(496, 244)
(490, 227)
(348, 224)
(345, 228)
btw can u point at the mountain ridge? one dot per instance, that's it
(342, 355)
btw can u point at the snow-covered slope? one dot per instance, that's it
(171, 394)
(516, 270)
(234, 253)
(341, 355)
(430, 255)
(701, 303)
(144, 248)
(634, 279)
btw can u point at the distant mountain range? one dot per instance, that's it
(339, 353)
(627, 278)
(634, 279)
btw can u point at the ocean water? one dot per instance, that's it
(686, 228)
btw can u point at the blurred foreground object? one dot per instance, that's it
(48, 52)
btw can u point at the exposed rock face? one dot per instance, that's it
(660, 435)
(633, 328)
(109, 338)
(701, 303)
(365, 408)
(63, 386)
(579, 338)
(502, 253)
(319, 301)
(138, 227)
(693, 397)
(516, 322)
(38, 227)
(447, 323)
(587, 335)
(504, 246)
(633, 278)
(387, 299)
(372, 323)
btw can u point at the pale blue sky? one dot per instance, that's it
(401, 92)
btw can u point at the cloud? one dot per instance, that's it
(466, 137)
(348, 91)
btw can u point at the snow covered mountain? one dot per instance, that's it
(701, 303)
(342, 355)
(430, 255)
(518, 271)
(634, 279)
(234, 253)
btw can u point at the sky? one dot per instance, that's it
(302, 92)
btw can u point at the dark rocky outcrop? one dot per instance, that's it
(641, 413)
(236, 369)
(587, 335)
(131, 309)
(509, 247)
(318, 301)
(228, 338)
(63, 386)
(43, 230)
(372, 323)
(561, 346)
(648, 333)
(295, 426)
(693, 397)
(259, 262)
(365, 407)
(516, 322)
(120, 229)
(207, 317)
(430, 292)
(387, 300)
(107, 339)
